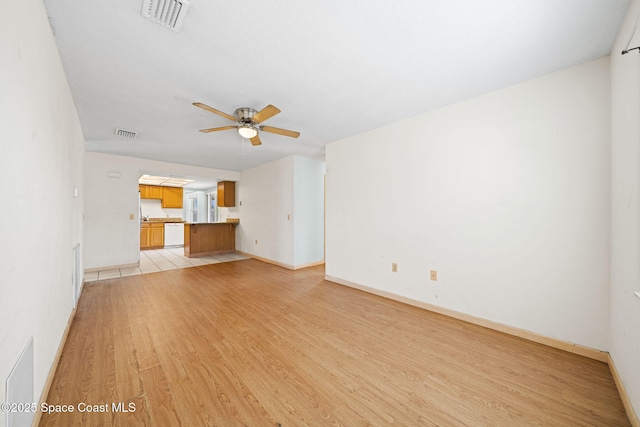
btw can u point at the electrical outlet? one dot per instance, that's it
(131, 216)
(394, 267)
(433, 275)
(256, 242)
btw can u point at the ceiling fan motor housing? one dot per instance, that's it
(245, 114)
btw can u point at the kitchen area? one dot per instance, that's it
(183, 213)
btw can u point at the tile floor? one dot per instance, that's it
(152, 261)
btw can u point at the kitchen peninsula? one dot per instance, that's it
(201, 239)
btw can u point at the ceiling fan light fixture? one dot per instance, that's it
(248, 122)
(247, 131)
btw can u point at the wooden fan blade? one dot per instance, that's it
(217, 129)
(264, 114)
(279, 131)
(255, 140)
(213, 110)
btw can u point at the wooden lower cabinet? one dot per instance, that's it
(152, 235)
(209, 239)
(157, 236)
(144, 236)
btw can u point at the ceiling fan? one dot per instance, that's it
(249, 122)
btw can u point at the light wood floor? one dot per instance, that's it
(249, 343)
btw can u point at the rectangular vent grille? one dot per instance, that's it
(125, 133)
(20, 388)
(168, 13)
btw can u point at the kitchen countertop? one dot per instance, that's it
(164, 220)
(209, 223)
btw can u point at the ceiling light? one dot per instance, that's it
(163, 180)
(247, 131)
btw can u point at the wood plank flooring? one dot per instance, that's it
(249, 343)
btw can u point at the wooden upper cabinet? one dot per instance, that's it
(150, 191)
(172, 197)
(226, 194)
(155, 192)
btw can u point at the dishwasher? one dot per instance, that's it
(173, 234)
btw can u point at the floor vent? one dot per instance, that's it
(20, 389)
(125, 133)
(168, 13)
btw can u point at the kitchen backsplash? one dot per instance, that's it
(153, 209)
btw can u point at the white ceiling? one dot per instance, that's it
(334, 68)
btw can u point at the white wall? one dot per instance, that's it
(266, 193)
(506, 195)
(308, 210)
(40, 165)
(230, 212)
(624, 344)
(152, 208)
(111, 238)
(282, 209)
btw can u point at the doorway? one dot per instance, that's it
(212, 207)
(193, 209)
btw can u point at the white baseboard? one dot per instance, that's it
(52, 370)
(281, 264)
(626, 401)
(601, 356)
(511, 330)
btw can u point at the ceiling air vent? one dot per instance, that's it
(125, 133)
(168, 13)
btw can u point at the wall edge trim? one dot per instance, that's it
(111, 267)
(309, 264)
(626, 401)
(52, 370)
(281, 264)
